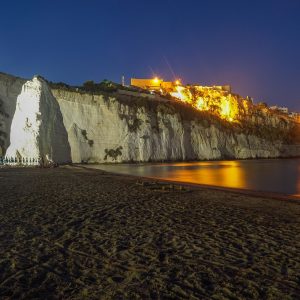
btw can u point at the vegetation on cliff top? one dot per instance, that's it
(91, 87)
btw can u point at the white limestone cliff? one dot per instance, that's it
(104, 129)
(62, 125)
(37, 131)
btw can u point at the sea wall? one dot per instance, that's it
(123, 128)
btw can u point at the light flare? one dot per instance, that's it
(156, 80)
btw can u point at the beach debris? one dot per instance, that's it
(162, 186)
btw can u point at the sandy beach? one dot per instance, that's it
(76, 233)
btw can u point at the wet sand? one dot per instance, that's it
(75, 233)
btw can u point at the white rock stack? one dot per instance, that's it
(37, 130)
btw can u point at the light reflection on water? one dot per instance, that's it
(298, 184)
(274, 175)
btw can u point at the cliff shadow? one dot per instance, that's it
(10, 89)
(54, 141)
(188, 152)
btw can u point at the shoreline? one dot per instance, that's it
(241, 191)
(247, 192)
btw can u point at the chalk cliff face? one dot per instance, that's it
(37, 130)
(108, 129)
(65, 125)
(10, 88)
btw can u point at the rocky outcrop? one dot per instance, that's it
(37, 131)
(68, 125)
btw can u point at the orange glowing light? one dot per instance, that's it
(177, 82)
(209, 99)
(156, 80)
(182, 94)
(226, 174)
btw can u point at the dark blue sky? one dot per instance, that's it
(252, 45)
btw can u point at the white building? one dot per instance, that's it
(284, 110)
(295, 115)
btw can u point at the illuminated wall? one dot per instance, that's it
(153, 84)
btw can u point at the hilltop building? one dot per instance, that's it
(159, 85)
(295, 115)
(155, 84)
(226, 88)
(284, 110)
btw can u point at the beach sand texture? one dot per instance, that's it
(74, 233)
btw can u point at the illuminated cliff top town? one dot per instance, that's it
(218, 100)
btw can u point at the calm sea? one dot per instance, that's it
(271, 175)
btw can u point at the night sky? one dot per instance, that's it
(252, 45)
